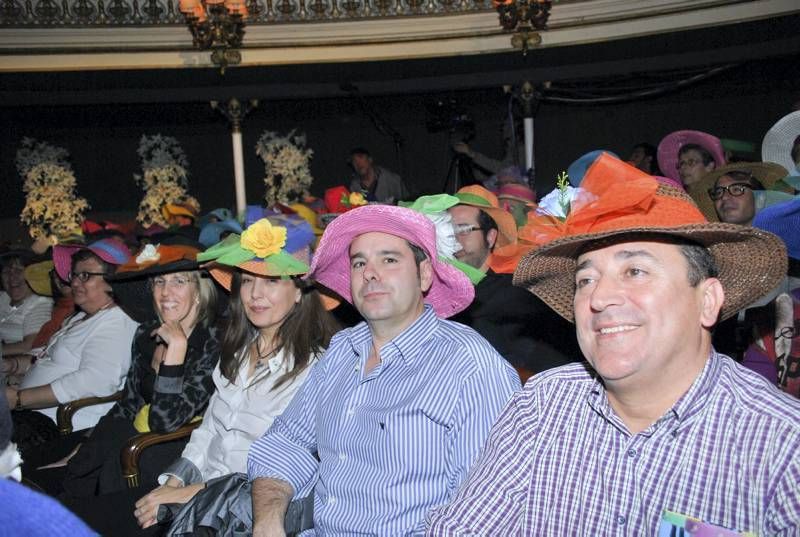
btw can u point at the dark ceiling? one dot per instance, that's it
(777, 37)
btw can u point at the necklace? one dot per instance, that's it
(262, 358)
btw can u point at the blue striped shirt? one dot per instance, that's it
(394, 442)
(559, 461)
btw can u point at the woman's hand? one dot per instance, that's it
(147, 506)
(173, 336)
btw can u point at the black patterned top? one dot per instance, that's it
(179, 392)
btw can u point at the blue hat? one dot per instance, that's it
(577, 169)
(783, 220)
(211, 233)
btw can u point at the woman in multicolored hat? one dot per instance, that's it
(279, 327)
(88, 357)
(175, 349)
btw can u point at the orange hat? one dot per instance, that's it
(478, 196)
(615, 199)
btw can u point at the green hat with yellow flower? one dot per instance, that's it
(258, 250)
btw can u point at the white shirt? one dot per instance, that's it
(24, 319)
(237, 414)
(86, 358)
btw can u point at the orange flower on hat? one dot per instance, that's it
(263, 239)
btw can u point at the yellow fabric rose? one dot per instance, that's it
(357, 199)
(264, 239)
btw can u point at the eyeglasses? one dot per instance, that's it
(83, 276)
(733, 189)
(178, 282)
(464, 229)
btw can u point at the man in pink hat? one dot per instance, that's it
(392, 417)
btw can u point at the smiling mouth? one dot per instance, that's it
(617, 329)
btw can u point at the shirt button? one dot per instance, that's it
(342, 456)
(331, 499)
(351, 411)
(631, 453)
(621, 520)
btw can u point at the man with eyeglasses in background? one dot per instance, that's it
(522, 329)
(727, 193)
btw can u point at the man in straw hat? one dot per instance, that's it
(658, 434)
(392, 417)
(726, 194)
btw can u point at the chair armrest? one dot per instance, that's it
(129, 456)
(65, 411)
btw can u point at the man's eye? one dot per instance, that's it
(389, 260)
(634, 271)
(582, 282)
(357, 264)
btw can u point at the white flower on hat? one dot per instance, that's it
(559, 202)
(148, 254)
(446, 243)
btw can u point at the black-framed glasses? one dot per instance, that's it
(465, 229)
(83, 276)
(733, 189)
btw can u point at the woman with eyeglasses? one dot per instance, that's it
(278, 329)
(88, 357)
(169, 383)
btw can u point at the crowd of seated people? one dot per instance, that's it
(343, 364)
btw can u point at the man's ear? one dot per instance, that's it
(491, 238)
(712, 296)
(425, 275)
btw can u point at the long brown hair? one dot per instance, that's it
(305, 331)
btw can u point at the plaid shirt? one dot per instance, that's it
(559, 461)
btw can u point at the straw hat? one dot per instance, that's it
(767, 174)
(779, 140)
(38, 277)
(622, 201)
(483, 199)
(450, 292)
(671, 145)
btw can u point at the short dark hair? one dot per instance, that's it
(359, 151)
(700, 260)
(702, 264)
(486, 223)
(419, 253)
(704, 153)
(106, 268)
(742, 177)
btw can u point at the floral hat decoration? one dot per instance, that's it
(260, 249)
(174, 252)
(616, 199)
(435, 209)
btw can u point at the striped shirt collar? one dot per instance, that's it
(690, 403)
(405, 344)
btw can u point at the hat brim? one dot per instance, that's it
(768, 173)
(451, 290)
(223, 275)
(667, 154)
(751, 263)
(38, 277)
(779, 140)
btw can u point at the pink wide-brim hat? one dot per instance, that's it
(112, 251)
(672, 143)
(450, 292)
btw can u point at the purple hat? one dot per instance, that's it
(450, 292)
(671, 144)
(111, 251)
